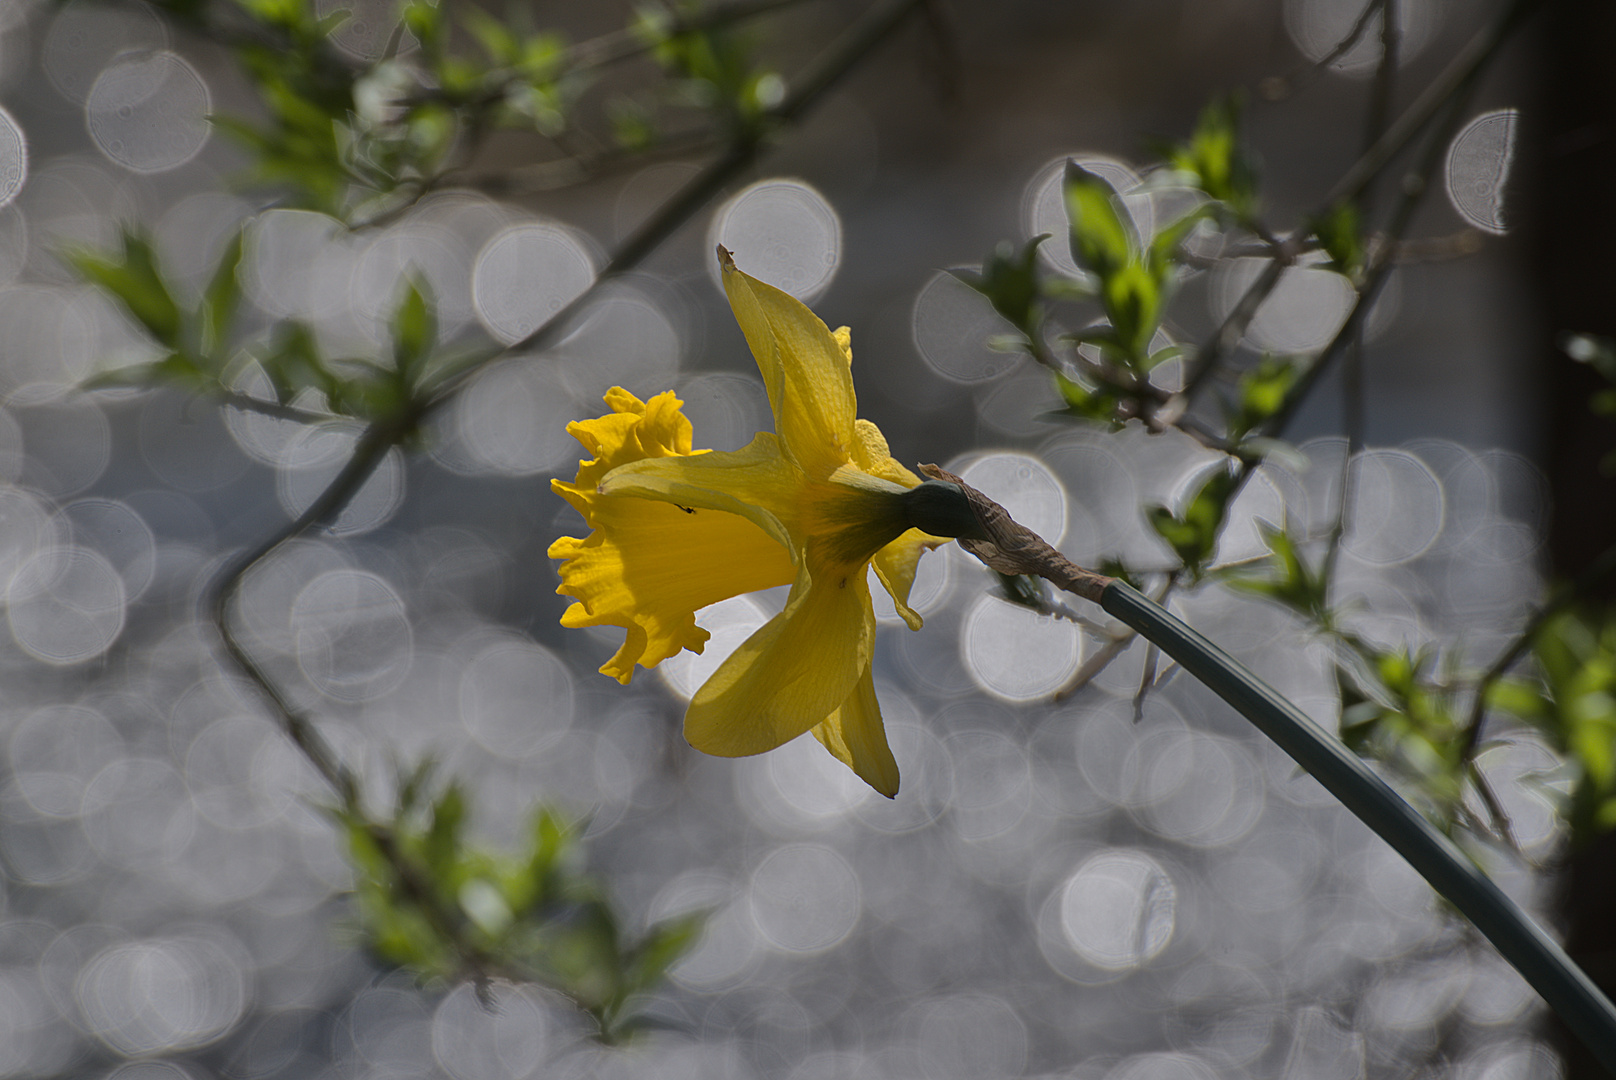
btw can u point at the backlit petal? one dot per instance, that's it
(649, 566)
(870, 454)
(804, 369)
(855, 735)
(791, 674)
(895, 566)
(755, 482)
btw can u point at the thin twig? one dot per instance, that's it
(381, 436)
(834, 65)
(1597, 571)
(1289, 84)
(1456, 79)
(235, 399)
(1460, 74)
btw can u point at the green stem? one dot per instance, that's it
(1572, 995)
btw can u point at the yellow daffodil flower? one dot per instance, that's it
(813, 504)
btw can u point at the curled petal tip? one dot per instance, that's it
(725, 259)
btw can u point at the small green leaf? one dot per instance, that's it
(1101, 234)
(133, 279)
(1089, 403)
(1194, 534)
(1340, 234)
(222, 297)
(415, 326)
(1009, 279)
(1260, 393)
(1214, 158)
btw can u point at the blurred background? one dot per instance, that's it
(1060, 889)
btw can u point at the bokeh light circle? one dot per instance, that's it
(294, 264)
(1302, 312)
(1015, 653)
(312, 460)
(149, 113)
(782, 232)
(626, 338)
(728, 945)
(802, 777)
(1317, 28)
(88, 35)
(473, 1041)
(1396, 510)
(930, 588)
(162, 995)
(13, 158)
(48, 344)
(730, 622)
(1479, 161)
(992, 784)
(1043, 207)
(1027, 489)
(117, 532)
(969, 1036)
(953, 325)
(516, 698)
(805, 898)
(1196, 789)
(1162, 1066)
(56, 751)
(525, 275)
(512, 420)
(354, 641)
(1118, 909)
(27, 527)
(726, 408)
(67, 605)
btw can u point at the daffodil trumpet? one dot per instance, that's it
(814, 504)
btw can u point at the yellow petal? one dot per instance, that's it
(855, 735)
(791, 674)
(632, 431)
(870, 454)
(649, 566)
(895, 567)
(804, 370)
(754, 482)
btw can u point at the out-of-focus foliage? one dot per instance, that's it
(432, 902)
(1598, 353)
(1573, 703)
(1403, 706)
(362, 141)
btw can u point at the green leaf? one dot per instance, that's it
(1194, 534)
(1089, 403)
(440, 847)
(1163, 254)
(415, 327)
(133, 279)
(1260, 393)
(1009, 279)
(664, 944)
(1214, 158)
(1102, 235)
(1340, 233)
(222, 297)
(1133, 301)
(1288, 579)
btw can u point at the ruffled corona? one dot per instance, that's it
(814, 504)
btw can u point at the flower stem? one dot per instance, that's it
(1539, 959)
